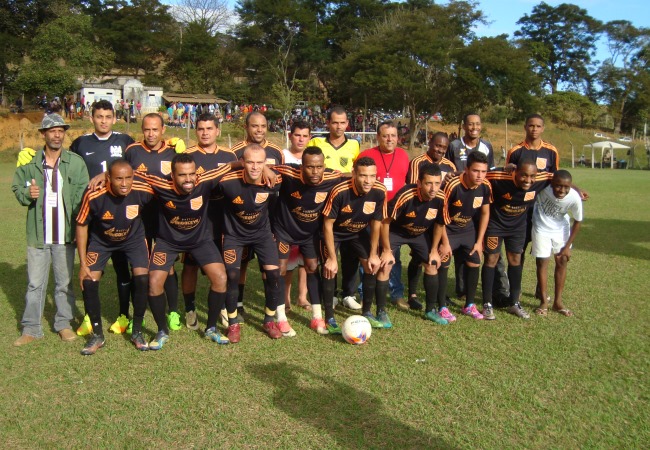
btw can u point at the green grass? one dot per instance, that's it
(550, 382)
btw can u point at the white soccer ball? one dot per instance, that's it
(356, 330)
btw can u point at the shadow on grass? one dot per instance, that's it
(352, 418)
(618, 237)
(13, 283)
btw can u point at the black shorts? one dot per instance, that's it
(514, 243)
(308, 247)
(420, 246)
(359, 246)
(188, 259)
(461, 244)
(164, 254)
(237, 250)
(135, 251)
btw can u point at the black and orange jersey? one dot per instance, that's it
(353, 210)
(98, 153)
(183, 218)
(546, 156)
(207, 161)
(246, 206)
(301, 204)
(112, 218)
(416, 164)
(510, 203)
(151, 162)
(274, 155)
(412, 215)
(463, 204)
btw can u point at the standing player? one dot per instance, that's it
(109, 221)
(552, 233)
(298, 219)
(183, 226)
(513, 193)
(471, 141)
(467, 200)
(414, 214)
(534, 148)
(353, 215)
(207, 155)
(246, 225)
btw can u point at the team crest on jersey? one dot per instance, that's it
(411, 214)
(196, 203)
(529, 196)
(346, 209)
(270, 161)
(238, 201)
(230, 256)
(457, 203)
(296, 195)
(108, 216)
(142, 168)
(320, 197)
(166, 167)
(132, 211)
(478, 201)
(91, 258)
(159, 258)
(170, 205)
(261, 197)
(492, 242)
(431, 214)
(116, 151)
(284, 248)
(541, 163)
(369, 207)
(507, 196)
(343, 161)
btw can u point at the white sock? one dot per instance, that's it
(316, 311)
(280, 314)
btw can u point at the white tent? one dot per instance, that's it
(602, 145)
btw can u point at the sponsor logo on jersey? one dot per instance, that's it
(369, 207)
(320, 197)
(411, 214)
(431, 214)
(108, 216)
(170, 205)
(166, 167)
(270, 161)
(457, 203)
(346, 209)
(132, 211)
(196, 203)
(238, 201)
(116, 151)
(296, 195)
(142, 168)
(529, 196)
(159, 258)
(507, 196)
(478, 201)
(91, 258)
(261, 197)
(541, 163)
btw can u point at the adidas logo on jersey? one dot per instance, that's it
(346, 209)
(142, 168)
(170, 205)
(507, 196)
(238, 201)
(200, 170)
(411, 214)
(457, 203)
(296, 195)
(108, 216)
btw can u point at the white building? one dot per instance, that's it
(149, 96)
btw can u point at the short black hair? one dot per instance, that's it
(386, 123)
(534, 116)
(438, 134)
(431, 170)
(117, 162)
(102, 104)
(156, 115)
(253, 114)
(181, 158)
(364, 161)
(208, 117)
(476, 157)
(336, 110)
(466, 116)
(312, 150)
(300, 124)
(527, 162)
(563, 175)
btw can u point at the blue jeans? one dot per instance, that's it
(394, 280)
(39, 260)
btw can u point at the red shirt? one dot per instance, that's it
(389, 165)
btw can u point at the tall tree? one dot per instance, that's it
(212, 15)
(561, 42)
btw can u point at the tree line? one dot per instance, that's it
(417, 55)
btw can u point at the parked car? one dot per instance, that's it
(601, 135)
(625, 139)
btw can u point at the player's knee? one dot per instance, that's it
(90, 286)
(141, 282)
(272, 276)
(233, 275)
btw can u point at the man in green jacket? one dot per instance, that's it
(51, 185)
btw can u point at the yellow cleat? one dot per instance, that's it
(85, 328)
(120, 325)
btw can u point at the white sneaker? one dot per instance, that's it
(351, 303)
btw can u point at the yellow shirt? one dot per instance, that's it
(337, 158)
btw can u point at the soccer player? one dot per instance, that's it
(414, 213)
(246, 225)
(153, 156)
(353, 215)
(207, 155)
(467, 200)
(533, 147)
(109, 221)
(460, 148)
(552, 233)
(183, 226)
(513, 193)
(298, 219)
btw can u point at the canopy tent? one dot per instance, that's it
(193, 98)
(605, 145)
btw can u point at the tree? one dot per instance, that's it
(561, 42)
(570, 108)
(211, 15)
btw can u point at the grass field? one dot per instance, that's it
(551, 382)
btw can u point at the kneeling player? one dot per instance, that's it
(113, 216)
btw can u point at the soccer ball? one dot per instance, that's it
(356, 330)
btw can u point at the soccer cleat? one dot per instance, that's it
(120, 325)
(351, 303)
(286, 329)
(234, 333)
(373, 320)
(174, 321)
(447, 315)
(415, 304)
(382, 317)
(138, 341)
(85, 328)
(224, 317)
(436, 318)
(215, 336)
(272, 330)
(333, 327)
(95, 342)
(129, 329)
(400, 303)
(158, 341)
(191, 321)
(319, 326)
(470, 310)
(518, 311)
(241, 312)
(488, 311)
